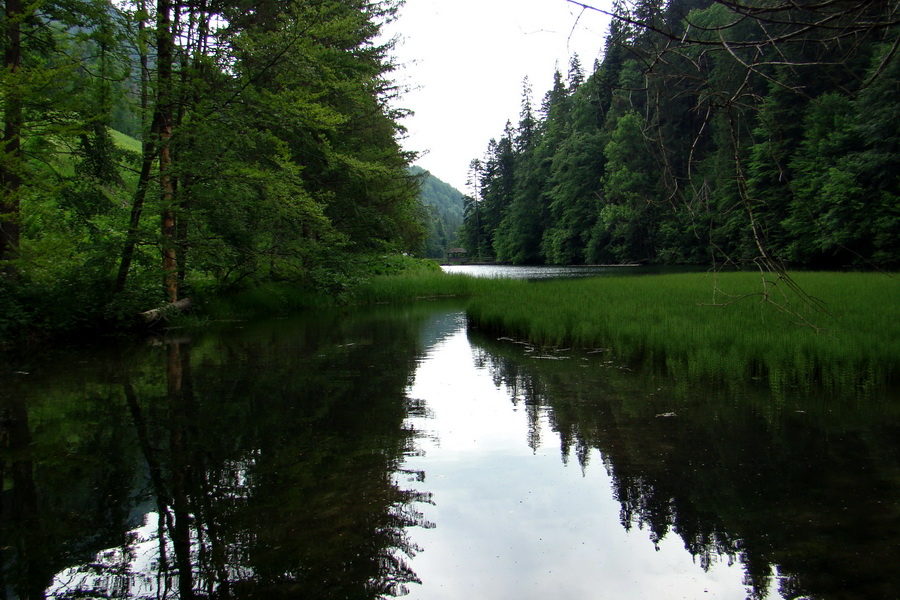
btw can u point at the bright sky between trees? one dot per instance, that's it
(464, 62)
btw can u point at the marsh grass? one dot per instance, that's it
(273, 299)
(730, 327)
(422, 285)
(841, 334)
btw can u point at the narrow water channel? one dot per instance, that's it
(397, 451)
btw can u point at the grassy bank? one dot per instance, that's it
(390, 280)
(366, 280)
(729, 327)
(426, 285)
(721, 327)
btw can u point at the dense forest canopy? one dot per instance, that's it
(264, 146)
(710, 131)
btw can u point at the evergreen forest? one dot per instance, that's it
(752, 132)
(151, 152)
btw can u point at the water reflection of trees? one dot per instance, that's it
(801, 490)
(262, 466)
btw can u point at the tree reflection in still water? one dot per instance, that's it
(243, 481)
(274, 463)
(803, 489)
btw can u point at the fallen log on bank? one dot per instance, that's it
(155, 314)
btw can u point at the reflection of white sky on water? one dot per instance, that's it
(128, 571)
(136, 569)
(513, 523)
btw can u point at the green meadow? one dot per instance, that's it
(837, 331)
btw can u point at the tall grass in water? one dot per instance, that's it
(284, 299)
(718, 326)
(420, 285)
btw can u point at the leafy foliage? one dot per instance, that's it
(266, 141)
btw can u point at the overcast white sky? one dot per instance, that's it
(465, 60)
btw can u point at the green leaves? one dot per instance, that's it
(281, 152)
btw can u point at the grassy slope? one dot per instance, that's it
(125, 142)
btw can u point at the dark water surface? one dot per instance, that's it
(373, 453)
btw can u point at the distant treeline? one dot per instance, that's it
(444, 204)
(726, 130)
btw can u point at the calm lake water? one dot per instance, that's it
(537, 272)
(380, 452)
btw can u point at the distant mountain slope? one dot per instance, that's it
(445, 204)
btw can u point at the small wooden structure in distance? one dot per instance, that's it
(456, 255)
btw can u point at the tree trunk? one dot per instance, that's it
(155, 314)
(148, 154)
(11, 149)
(197, 39)
(169, 262)
(165, 53)
(137, 208)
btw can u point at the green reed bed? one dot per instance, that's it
(419, 285)
(274, 299)
(840, 330)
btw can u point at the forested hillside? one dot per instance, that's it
(723, 130)
(444, 204)
(268, 151)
